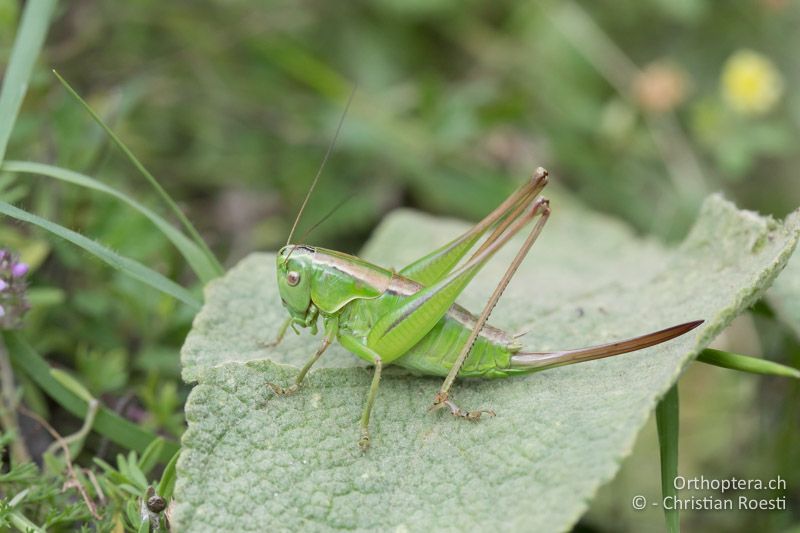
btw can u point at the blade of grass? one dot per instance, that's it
(167, 484)
(128, 266)
(150, 456)
(668, 423)
(193, 233)
(144, 527)
(744, 363)
(198, 261)
(27, 44)
(106, 422)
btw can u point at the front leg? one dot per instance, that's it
(279, 337)
(331, 330)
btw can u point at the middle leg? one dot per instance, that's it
(279, 337)
(357, 347)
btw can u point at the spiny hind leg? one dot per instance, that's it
(331, 328)
(442, 399)
(433, 267)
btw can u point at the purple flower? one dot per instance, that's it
(19, 270)
(13, 299)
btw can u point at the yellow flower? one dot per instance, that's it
(751, 84)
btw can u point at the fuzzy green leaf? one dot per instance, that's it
(252, 461)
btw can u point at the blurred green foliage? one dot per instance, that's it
(232, 104)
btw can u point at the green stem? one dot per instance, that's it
(744, 363)
(78, 437)
(8, 408)
(668, 423)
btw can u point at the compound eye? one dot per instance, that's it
(293, 278)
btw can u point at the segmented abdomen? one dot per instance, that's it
(438, 350)
(435, 354)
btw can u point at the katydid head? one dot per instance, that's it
(294, 269)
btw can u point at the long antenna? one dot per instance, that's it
(327, 216)
(322, 165)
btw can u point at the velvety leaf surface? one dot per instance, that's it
(252, 460)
